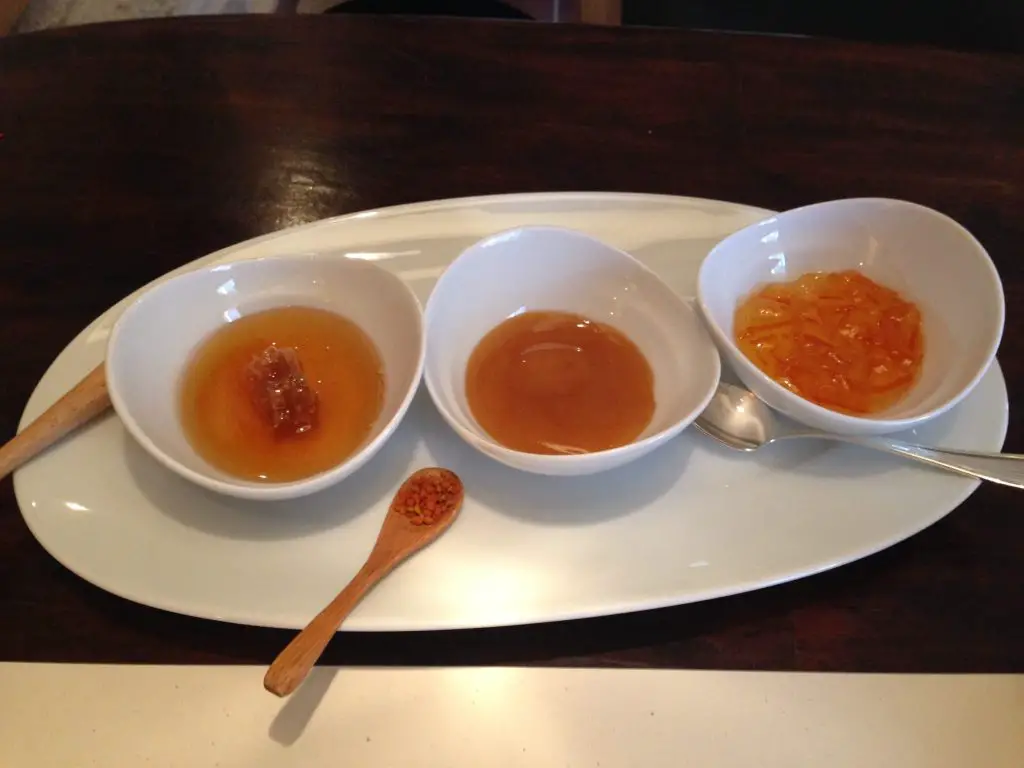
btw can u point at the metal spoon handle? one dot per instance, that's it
(1002, 468)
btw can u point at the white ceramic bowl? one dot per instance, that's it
(546, 268)
(153, 340)
(924, 255)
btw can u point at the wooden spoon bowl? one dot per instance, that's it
(425, 506)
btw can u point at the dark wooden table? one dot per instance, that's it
(130, 149)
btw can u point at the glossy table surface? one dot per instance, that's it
(127, 150)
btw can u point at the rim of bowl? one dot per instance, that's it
(242, 489)
(982, 256)
(472, 435)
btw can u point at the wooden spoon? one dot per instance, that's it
(87, 400)
(408, 527)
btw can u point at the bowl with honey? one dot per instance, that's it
(859, 316)
(270, 378)
(557, 354)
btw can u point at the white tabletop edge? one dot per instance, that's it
(113, 716)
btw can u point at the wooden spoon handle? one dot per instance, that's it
(87, 400)
(292, 665)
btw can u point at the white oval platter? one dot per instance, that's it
(692, 521)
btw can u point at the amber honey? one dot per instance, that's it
(838, 339)
(559, 383)
(227, 426)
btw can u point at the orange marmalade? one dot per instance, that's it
(837, 339)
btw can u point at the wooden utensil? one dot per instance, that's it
(424, 508)
(84, 402)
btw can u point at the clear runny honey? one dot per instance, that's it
(559, 383)
(228, 421)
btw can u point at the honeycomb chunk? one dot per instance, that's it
(280, 392)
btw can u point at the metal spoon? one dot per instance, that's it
(408, 527)
(737, 418)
